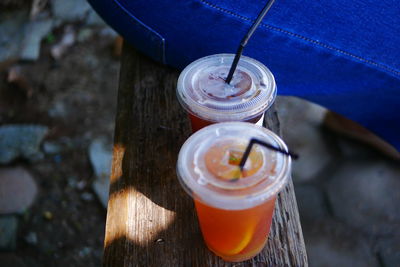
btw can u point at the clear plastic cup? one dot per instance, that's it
(203, 93)
(234, 208)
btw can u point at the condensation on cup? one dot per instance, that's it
(203, 93)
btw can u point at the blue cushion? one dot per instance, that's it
(344, 55)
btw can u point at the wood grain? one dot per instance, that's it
(150, 220)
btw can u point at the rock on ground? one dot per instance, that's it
(332, 244)
(301, 128)
(100, 156)
(35, 32)
(52, 147)
(311, 203)
(8, 232)
(12, 27)
(389, 250)
(354, 149)
(94, 20)
(21, 38)
(71, 10)
(17, 190)
(21, 141)
(366, 194)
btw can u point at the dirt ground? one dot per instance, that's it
(75, 97)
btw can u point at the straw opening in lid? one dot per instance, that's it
(206, 184)
(241, 105)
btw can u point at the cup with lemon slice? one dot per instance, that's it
(234, 206)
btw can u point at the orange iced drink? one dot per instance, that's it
(198, 123)
(203, 93)
(235, 235)
(234, 207)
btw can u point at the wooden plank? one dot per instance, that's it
(151, 221)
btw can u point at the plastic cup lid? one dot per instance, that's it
(202, 91)
(208, 168)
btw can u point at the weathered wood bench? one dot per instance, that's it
(151, 221)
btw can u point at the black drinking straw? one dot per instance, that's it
(246, 38)
(256, 141)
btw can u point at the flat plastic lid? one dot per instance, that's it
(208, 167)
(202, 90)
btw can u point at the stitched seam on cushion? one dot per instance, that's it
(329, 47)
(144, 25)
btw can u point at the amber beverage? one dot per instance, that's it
(234, 207)
(203, 93)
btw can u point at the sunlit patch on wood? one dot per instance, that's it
(118, 155)
(126, 208)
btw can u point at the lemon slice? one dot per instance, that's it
(222, 160)
(243, 243)
(231, 239)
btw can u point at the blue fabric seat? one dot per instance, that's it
(344, 55)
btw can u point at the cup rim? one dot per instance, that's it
(208, 193)
(220, 111)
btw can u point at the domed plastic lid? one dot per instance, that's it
(202, 90)
(208, 166)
